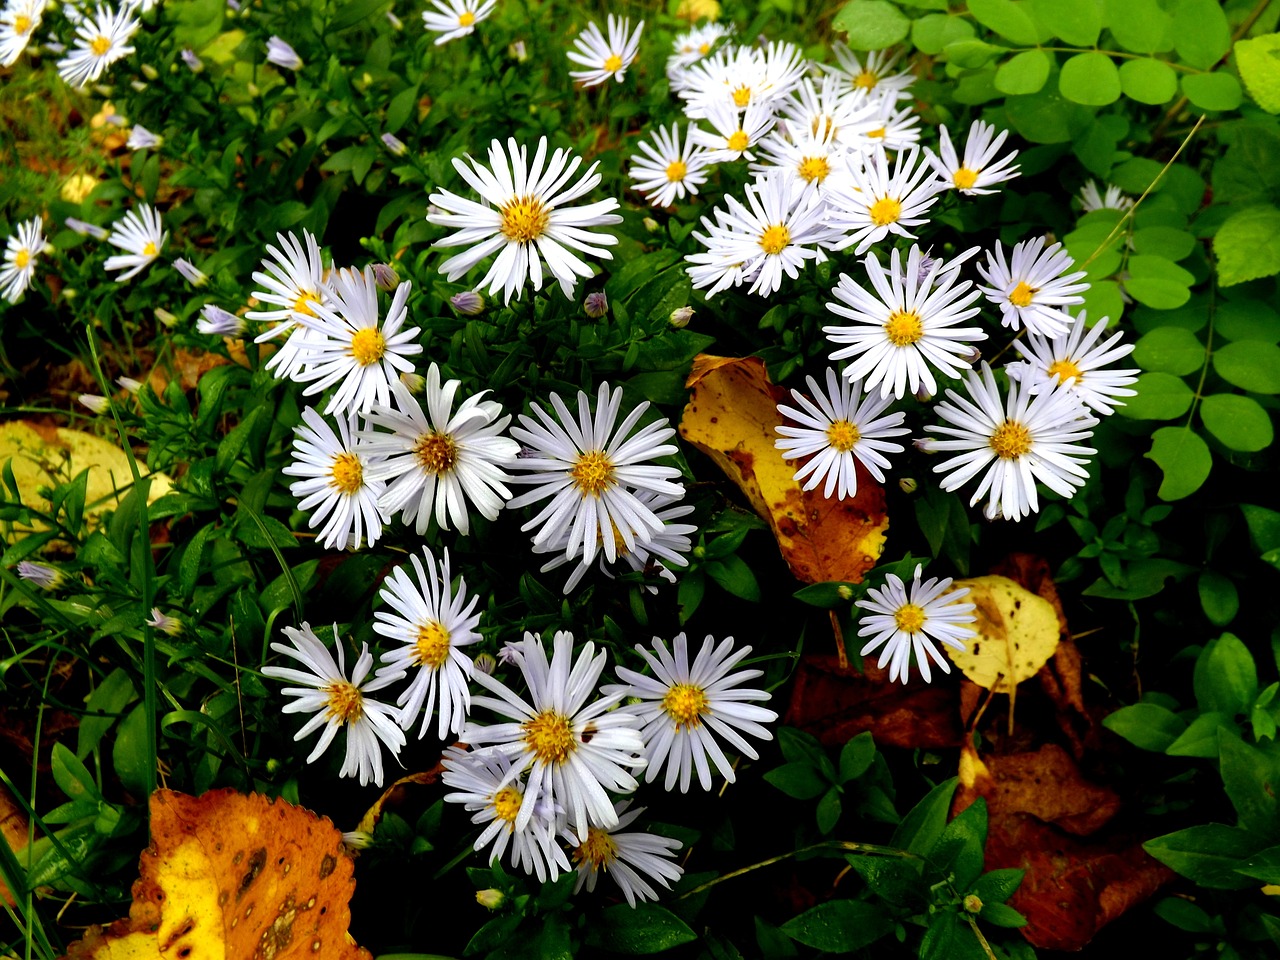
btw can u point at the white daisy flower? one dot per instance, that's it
(812, 161)
(1033, 287)
(632, 859)
(1092, 198)
(432, 624)
(904, 622)
(977, 172)
(605, 58)
(690, 47)
(524, 219)
(574, 751)
(869, 77)
(101, 40)
(18, 23)
(291, 281)
(456, 18)
(821, 109)
(140, 233)
(334, 482)
(592, 472)
(354, 349)
(339, 702)
(684, 708)
(140, 138)
(837, 427)
(733, 134)
(666, 172)
(774, 233)
(483, 783)
(1017, 441)
(896, 129)
(436, 461)
(282, 55)
(906, 323)
(1076, 361)
(880, 202)
(20, 252)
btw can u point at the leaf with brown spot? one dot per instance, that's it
(394, 795)
(1017, 634)
(731, 418)
(233, 876)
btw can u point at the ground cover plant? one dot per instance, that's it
(530, 479)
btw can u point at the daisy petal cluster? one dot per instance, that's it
(881, 201)
(605, 57)
(20, 252)
(291, 281)
(908, 621)
(1092, 197)
(979, 170)
(456, 18)
(101, 40)
(141, 234)
(1033, 286)
(1077, 361)
(631, 858)
(690, 47)
(335, 485)
(664, 171)
(19, 21)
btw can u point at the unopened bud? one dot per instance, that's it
(596, 304)
(490, 899)
(218, 322)
(908, 485)
(129, 384)
(518, 51)
(973, 903)
(485, 663)
(193, 62)
(165, 317)
(844, 592)
(394, 144)
(680, 317)
(41, 574)
(468, 303)
(191, 273)
(150, 72)
(356, 839)
(396, 22)
(922, 394)
(94, 402)
(651, 224)
(385, 276)
(973, 356)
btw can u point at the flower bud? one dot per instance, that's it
(193, 62)
(129, 384)
(41, 574)
(94, 402)
(680, 317)
(973, 903)
(385, 276)
(651, 224)
(415, 383)
(596, 304)
(218, 322)
(908, 485)
(469, 303)
(490, 898)
(485, 663)
(191, 273)
(394, 144)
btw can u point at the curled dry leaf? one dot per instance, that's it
(731, 418)
(1017, 634)
(230, 876)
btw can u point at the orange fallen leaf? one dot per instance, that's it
(731, 418)
(13, 831)
(233, 876)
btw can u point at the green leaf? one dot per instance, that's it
(923, 825)
(103, 708)
(997, 886)
(1007, 19)
(1103, 300)
(1002, 915)
(1239, 422)
(839, 926)
(1184, 915)
(1264, 526)
(1246, 320)
(643, 929)
(1148, 81)
(1183, 457)
(960, 849)
(829, 810)
(871, 24)
(1212, 91)
(733, 574)
(1200, 739)
(1025, 72)
(1207, 854)
(797, 780)
(129, 753)
(800, 747)
(1167, 242)
(1225, 678)
(349, 14)
(1075, 22)
(1158, 283)
(972, 54)
(1251, 365)
(1251, 779)
(1218, 599)
(1248, 245)
(1146, 725)
(856, 756)
(1139, 25)
(934, 31)
(1091, 79)
(825, 595)
(1264, 865)
(401, 108)
(71, 776)
(1170, 350)
(1046, 117)
(1258, 60)
(1201, 34)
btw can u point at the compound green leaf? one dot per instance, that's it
(1170, 350)
(1239, 422)
(1090, 79)
(1248, 245)
(1025, 72)
(1184, 458)
(1201, 34)
(1212, 91)
(934, 31)
(872, 24)
(1161, 396)
(1252, 365)
(1075, 22)
(1139, 25)
(1005, 18)
(972, 54)
(1148, 81)
(1246, 320)
(1258, 60)
(1167, 242)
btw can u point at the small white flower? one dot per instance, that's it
(524, 219)
(686, 709)
(140, 138)
(664, 171)
(629, 858)
(605, 58)
(164, 622)
(334, 482)
(456, 18)
(338, 702)
(191, 273)
(1017, 441)
(880, 203)
(293, 277)
(905, 622)
(140, 233)
(86, 229)
(690, 47)
(870, 77)
(837, 427)
(895, 130)
(41, 574)
(282, 55)
(193, 62)
(824, 112)
(977, 172)
(815, 162)
(1092, 198)
(436, 461)
(1033, 287)
(94, 403)
(1076, 361)
(432, 623)
(733, 134)
(218, 322)
(738, 77)
(19, 21)
(20, 252)
(101, 40)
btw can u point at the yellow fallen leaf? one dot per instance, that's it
(731, 418)
(1017, 634)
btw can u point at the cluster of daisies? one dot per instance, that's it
(101, 36)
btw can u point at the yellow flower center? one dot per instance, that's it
(775, 239)
(466, 18)
(1022, 294)
(100, 45)
(368, 345)
(739, 141)
(877, 133)
(524, 219)
(814, 168)
(432, 646)
(1064, 370)
(345, 702)
(150, 249)
(506, 804)
(613, 64)
(346, 474)
(964, 178)
(1011, 440)
(598, 849)
(741, 97)
(593, 473)
(885, 211)
(548, 737)
(436, 452)
(22, 258)
(909, 618)
(704, 49)
(843, 435)
(903, 328)
(685, 703)
(676, 171)
(21, 24)
(866, 80)
(300, 305)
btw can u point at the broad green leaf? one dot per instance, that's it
(1208, 854)
(71, 776)
(972, 54)
(1025, 72)
(1007, 19)
(1090, 79)
(1201, 34)
(1212, 91)
(1252, 365)
(1161, 396)
(1183, 457)
(1264, 526)
(1148, 81)
(1140, 26)
(1045, 117)
(1076, 22)
(1146, 725)
(1200, 739)
(1264, 865)
(1239, 422)
(1158, 283)
(643, 929)
(1184, 915)
(924, 823)
(1248, 245)
(1103, 299)
(997, 886)
(129, 752)
(103, 708)
(1258, 60)
(871, 24)
(1170, 350)
(1218, 598)
(934, 31)
(829, 810)
(1002, 915)
(961, 848)
(856, 756)
(1251, 779)
(797, 780)
(1246, 320)
(1167, 242)
(839, 926)
(1225, 677)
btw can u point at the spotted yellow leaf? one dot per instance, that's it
(1017, 634)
